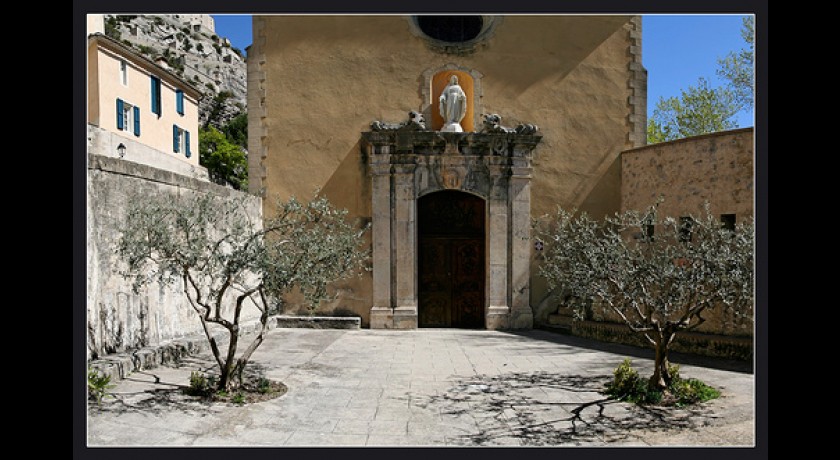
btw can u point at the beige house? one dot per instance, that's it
(450, 209)
(132, 98)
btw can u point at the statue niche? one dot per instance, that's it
(452, 106)
(457, 96)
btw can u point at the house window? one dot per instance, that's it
(124, 72)
(181, 141)
(179, 102)
(128, 117)
(156, 95)
(727, 221)
(686, 222)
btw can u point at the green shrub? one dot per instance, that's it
(624, 379)
(628, 386)
(238, 398)
(201, 385)
(264, 385)
(146, 49)
(692, 391)
(98, 385)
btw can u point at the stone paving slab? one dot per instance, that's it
(466, 388)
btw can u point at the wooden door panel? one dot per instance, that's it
(451, 260)
(468, 277)
(435, 291)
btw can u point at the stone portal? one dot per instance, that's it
(408, 162)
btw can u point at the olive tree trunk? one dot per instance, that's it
(661, 377)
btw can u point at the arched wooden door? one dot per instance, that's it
(451, 279)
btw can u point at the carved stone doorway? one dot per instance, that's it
(408, 165)
(451, 261)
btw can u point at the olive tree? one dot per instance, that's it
(659, 276)
(224, 262)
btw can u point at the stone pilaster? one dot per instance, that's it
(521, 316)
(381, 314)
(404, 244)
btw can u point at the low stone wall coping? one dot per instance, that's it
(319, 322)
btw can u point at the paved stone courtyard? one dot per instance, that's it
(427, 387)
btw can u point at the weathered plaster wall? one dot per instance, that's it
(316, 82)
(119, 320)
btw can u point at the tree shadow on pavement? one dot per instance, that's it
(164, 389)
(550, 409)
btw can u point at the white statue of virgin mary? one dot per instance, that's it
(453, 106)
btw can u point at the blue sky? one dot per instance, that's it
(676, 49)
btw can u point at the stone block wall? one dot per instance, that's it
(715, 168)
(118, 320)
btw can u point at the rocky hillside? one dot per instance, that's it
(194, 52)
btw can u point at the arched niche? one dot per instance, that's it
(436, 79)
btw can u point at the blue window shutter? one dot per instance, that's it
(156, 95)
(119, 114)
(136, 121)
(187, 144)
(175, 138)
(179, 101)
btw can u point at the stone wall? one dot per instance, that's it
(119, 320)
(716, 167)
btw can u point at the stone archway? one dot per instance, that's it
(406, 163)
(451, 261)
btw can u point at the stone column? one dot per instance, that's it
(381, 313)
(497, 315)
(521, 316)
(404, 243)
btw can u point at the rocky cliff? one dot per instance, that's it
(191, 49)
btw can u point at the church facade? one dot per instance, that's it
(447, 135)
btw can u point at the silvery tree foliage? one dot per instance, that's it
(660, 276)
(224, 262)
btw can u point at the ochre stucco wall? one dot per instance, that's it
(316, 82)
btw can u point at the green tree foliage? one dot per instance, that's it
(224, 262)
(658, 286)
(738, 68)
(112, 28)
(216, 109)
(699, 110)
(702, 109)
(224, 160)
(237, 130)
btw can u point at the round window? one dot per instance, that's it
(451, 29)
(454, 34)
